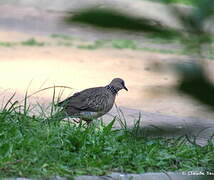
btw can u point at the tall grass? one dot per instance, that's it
(31, 146)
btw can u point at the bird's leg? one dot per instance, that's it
(77, 121)
(88, 122)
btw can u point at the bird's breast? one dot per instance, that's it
(89, 114)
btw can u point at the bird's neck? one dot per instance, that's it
(112, 89)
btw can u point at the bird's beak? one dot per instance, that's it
(125, 88)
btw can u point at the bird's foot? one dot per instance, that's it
(77, 120)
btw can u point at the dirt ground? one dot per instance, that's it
(34, 68)
(31, 68)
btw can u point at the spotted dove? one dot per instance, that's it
(93, 102)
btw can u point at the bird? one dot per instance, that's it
(92, 103)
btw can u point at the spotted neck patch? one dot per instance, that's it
(112, 89)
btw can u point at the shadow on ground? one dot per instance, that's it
(156, 124)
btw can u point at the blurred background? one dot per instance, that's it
(163, 49)
(47, 43)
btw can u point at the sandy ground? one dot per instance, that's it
(34, 68)
(150, 93)
(26, 68)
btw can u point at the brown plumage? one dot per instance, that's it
(93, 102)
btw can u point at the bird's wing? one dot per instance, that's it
(67, 100)
(93, 99)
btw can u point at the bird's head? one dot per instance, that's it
(118, 84)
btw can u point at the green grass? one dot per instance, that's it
(28, 42)
(65, 40)
(33, 146)
(61, 36)
(95, 45)
(6, 44)
(63, 43)
(116, 44)
(32, 42)
(124, 44)
(163, 51)
(186, 2)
